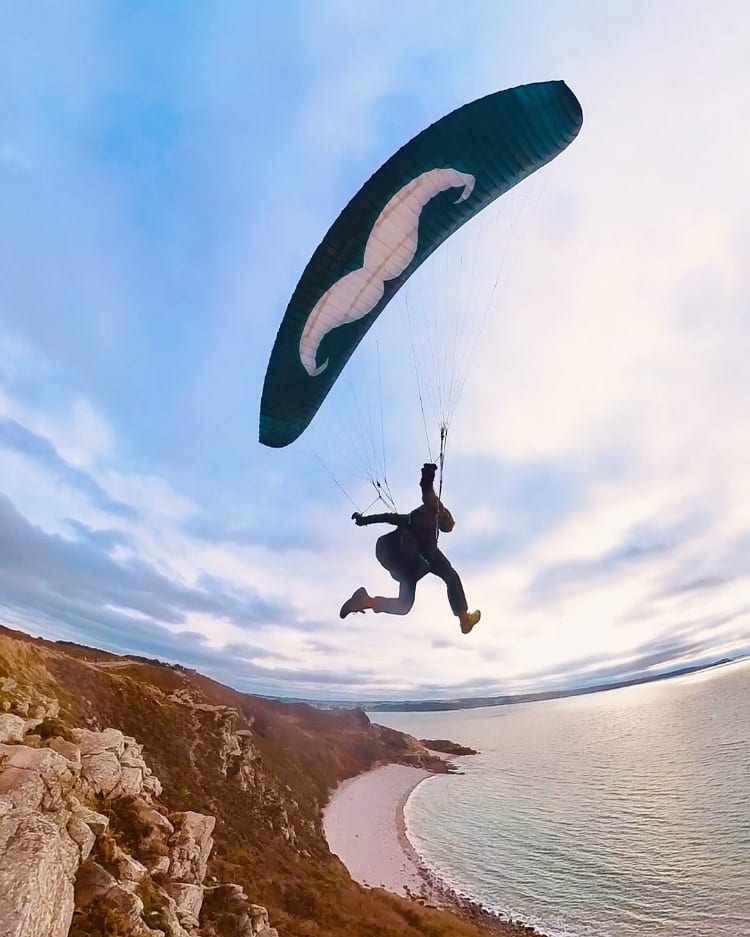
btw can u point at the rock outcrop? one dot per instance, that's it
(237, 755)
(112, 765)
(190, 846)
(59, 855)
(94, 885)
(238, 916)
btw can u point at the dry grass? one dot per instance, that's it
(100, 920)
(21, 660)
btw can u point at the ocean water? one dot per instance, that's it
(611, 815)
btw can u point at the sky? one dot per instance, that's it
(166, 171)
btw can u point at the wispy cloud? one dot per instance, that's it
(85, 571)
(22, 440)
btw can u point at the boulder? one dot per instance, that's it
(45, 707)
(149, 815)
(94, 883)
(190, 846)
(12, 728)
(136, 775)
(170, 920)
(100, 759)
(159, 865)
(188, 901)
(153, 846)
(38, 861)
(67, 749)
(228, 912)
(82, 835)
(35, 778)
(94, 743)
(129, 870)
(97, 822)
(112, 764)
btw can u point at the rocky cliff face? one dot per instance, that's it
(138, 798)
(71, 803)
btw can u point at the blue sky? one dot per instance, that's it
(165, 173)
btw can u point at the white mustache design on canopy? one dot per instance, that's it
(390, 249)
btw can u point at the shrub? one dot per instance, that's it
(51, 728)
(153, 902)
(100, 919)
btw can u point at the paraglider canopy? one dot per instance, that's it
(418, 198)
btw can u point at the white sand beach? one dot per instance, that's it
(364, 826)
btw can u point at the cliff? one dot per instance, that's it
(142, 799)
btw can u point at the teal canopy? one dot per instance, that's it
(417, 199)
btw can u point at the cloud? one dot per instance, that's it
(697, 585)
(553, 582)
(279, 533)
(16, 437)
(104, 540)
(82, 572)
(74, 589)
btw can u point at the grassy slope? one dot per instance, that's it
(304, 753)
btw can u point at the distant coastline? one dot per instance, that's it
(477, 702)
(424, 705)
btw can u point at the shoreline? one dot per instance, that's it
(365, 826)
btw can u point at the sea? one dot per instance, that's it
(622, 813)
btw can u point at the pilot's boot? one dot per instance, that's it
(357, 603)
(467, 620)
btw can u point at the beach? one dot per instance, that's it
(364, 826)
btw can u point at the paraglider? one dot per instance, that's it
(410, 552)
(424, 193)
